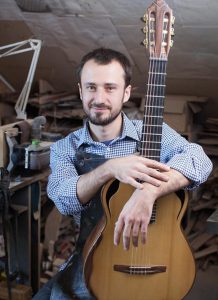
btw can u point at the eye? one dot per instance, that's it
(111, 88)
(91, 88)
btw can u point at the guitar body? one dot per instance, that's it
(165, 246)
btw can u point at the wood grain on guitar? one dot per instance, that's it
(163, 268)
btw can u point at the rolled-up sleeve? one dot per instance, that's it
(62, 183)
(187, 158)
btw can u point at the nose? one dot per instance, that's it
(99, 95)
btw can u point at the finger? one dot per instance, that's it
(126, 235)
(147, 178)
(117, 232)
(158, 175)
(135, 183)
(153, 177)
(135, 233)
(143, 233)
(156, 165)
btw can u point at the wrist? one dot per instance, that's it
(151, 190)
(106, 172)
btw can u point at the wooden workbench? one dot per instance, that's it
(25, 225)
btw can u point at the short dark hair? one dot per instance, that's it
(104, 56)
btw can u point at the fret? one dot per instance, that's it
(153, 156)
(156, 59)
(157, 73)
(156, 84)
(152, 108)
(154, 133)
(155, 106)
(148, 141)
(154, 117)
(151, 125)
(155, 123)
(153, 96)
(149, 149)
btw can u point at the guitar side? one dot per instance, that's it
(166, 247)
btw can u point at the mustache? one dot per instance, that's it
(99, 105)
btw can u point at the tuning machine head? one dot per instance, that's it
(145, 30)
(172, 31)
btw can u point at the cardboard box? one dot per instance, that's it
(179, 110)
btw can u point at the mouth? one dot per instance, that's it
(100, 108)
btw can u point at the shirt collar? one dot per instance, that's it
(128, 130)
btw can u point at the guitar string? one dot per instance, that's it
(164, 65)
(147, 136)
(157, 94)
(152, 130)
(149, 109)
(149, 112)
(135, 255)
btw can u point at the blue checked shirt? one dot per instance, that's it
(187, 158)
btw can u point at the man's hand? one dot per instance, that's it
(136, 213)
(135, 170)
(134, 218)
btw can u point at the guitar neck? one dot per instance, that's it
(153, 110)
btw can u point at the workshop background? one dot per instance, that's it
(39, 239)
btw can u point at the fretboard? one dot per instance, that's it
(153, 111)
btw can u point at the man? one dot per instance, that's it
(105, 148)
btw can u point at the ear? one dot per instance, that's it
(127, 93)
(80, 91)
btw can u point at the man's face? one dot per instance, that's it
(102, 91)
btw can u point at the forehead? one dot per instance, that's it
(94, 72)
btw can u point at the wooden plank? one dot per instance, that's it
(206, 251)
(201, 240)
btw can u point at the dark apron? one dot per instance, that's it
(70, 282)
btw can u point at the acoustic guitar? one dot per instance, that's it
(163, 268)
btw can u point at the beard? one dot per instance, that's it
(98, 118)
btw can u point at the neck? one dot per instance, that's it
(107, 132)
(154, 107)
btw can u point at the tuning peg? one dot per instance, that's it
(145, 29)
(172, 31)
(145, 43)
(171, 43)
(173, 20)
(145, 18)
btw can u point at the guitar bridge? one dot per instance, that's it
(139, 270)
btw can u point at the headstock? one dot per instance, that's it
(158, 29)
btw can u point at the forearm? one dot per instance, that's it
(131, 170)
(61, 190)
(176, 181)
(187, 158)
(89, 183)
